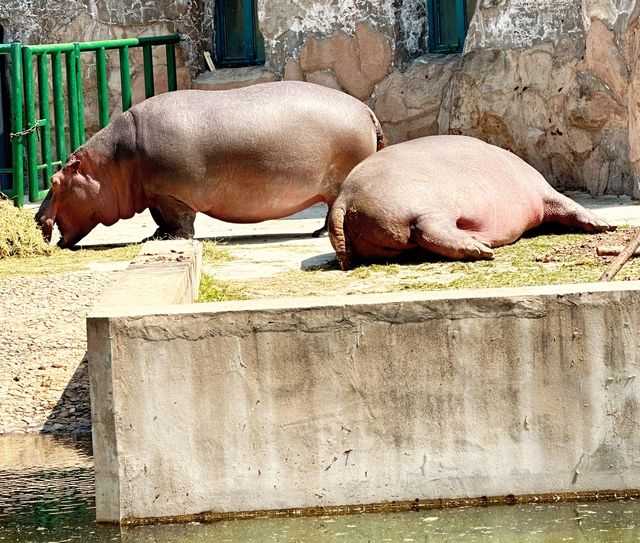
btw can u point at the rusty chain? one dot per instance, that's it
(24, 132)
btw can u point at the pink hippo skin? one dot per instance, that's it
(455, 196)
(244, 155)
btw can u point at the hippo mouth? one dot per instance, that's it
(46, 217)
(46, 226)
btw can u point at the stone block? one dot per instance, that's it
(359, 61)
(207, 410)
(233, 78)
(326, 78)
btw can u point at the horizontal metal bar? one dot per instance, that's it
(106, 44)
(6, 170)
(43, 166)
(41, 195)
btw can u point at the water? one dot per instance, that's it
(47, 495)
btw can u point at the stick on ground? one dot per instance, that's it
(621, 259)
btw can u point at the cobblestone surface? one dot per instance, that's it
(44, 384)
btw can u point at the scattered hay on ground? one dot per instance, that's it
(20, 237)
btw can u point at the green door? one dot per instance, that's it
(238, 38)
(448, 24)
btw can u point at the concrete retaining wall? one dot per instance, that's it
(245, 406)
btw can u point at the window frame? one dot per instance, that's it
(253, 54)
(462, 24)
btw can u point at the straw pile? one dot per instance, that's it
(20, 237)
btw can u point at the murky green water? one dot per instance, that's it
(46, 495)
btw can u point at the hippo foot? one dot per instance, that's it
(160, 235)
(320, 233)
(591, 223)
(475, 249)
(445, 239)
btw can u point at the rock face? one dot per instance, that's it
(408, 102)
(564, 99)
(555, 81)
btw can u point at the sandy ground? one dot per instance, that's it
(43, 375)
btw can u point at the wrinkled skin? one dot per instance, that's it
(244, 155)
(454, 196)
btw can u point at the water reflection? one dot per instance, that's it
(609, 522)
(47, 495)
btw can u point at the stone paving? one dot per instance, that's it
(43, 373)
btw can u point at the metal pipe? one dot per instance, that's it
(79, 100)
(58, 106)
(103, 97)
(72, 99)
(147, 57)
(30, 117)
(45, 116)
(172, 78)
(17, 124)
(125, 78)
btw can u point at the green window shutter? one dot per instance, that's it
(448, 24)
(238, 39)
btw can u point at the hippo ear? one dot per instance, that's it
(73, 165)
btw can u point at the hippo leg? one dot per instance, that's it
(174, 219)
(440, 235)
(558, 208)
(324, 231)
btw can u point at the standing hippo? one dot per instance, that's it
(244, 155)
(455, 196)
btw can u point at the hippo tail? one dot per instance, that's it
(381, 139)
(338, 236)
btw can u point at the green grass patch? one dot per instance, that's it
(212, 290)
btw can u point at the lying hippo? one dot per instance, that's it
(244, 155)
(455, 196)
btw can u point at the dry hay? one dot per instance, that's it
(20, 237)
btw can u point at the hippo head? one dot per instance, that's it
(71, 203)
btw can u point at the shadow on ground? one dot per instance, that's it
(72, 413)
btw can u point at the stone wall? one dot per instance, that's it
(349, 45)
(554, 82)
(326, 402)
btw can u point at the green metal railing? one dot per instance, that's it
(31, 116)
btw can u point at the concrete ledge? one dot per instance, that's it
(164, 272)
(233, 78)
(272, 405)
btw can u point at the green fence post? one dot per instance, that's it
(17, 148)
(125, 78)
(147, 56)
(172, 77)
(45, 132)
(72, 97)
(58, 106)
(103, 96)
(30, 115)
(81, 134)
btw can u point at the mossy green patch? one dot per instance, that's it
(213, 290)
